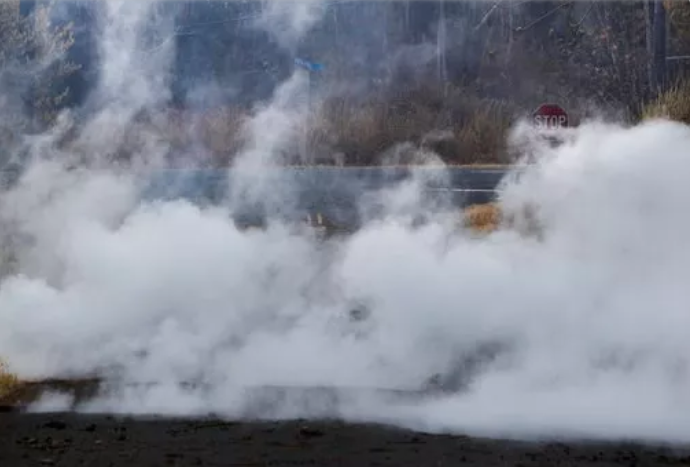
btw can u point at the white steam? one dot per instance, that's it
(136, 54)
(289, 21)
(578, 331)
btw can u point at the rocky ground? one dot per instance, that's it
(102, 441)
(72, 439)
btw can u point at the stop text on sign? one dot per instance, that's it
(550, 117)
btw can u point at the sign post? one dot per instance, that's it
(550, 117)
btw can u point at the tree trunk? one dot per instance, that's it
(649, 29)
(656, 45)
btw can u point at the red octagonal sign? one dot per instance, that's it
(550, 117)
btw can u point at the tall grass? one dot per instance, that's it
(458, 126)
(673, 104)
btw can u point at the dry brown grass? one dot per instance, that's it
(459, 127)
(220, 131)
(673, 104)
(482, 139)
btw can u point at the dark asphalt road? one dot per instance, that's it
(338, 194)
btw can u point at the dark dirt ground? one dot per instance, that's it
(71, 439)
(103, 441)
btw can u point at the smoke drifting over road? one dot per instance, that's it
(579, 330)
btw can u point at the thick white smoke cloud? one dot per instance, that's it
(582, 328)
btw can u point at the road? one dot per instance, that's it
(338, 194)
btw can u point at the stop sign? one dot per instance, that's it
(550, 117)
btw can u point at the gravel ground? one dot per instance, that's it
(65, 439)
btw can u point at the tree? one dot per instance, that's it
(33, 64)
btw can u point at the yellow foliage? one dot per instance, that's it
(8, 381)
(673, 104)
(483, 217)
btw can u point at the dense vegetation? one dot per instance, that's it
(447, 76)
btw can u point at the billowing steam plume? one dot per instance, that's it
(575, 325)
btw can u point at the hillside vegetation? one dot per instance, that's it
(404, 80)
